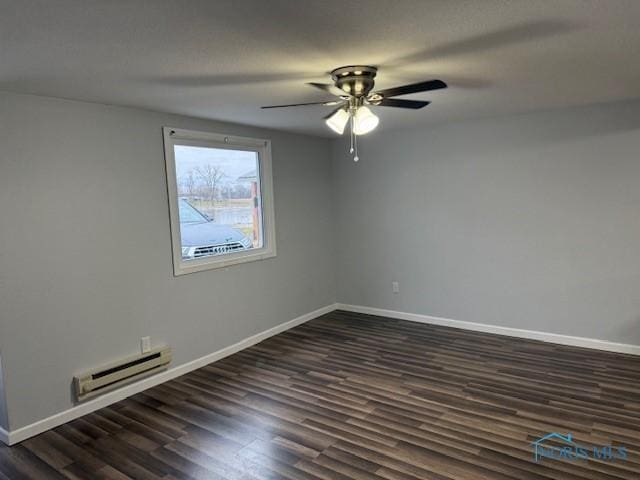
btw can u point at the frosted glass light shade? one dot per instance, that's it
(364, 121)
(338, 121)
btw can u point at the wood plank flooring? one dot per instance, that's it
(350, 396)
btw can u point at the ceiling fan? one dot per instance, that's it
(353, 86)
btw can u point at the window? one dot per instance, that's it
(220, 199)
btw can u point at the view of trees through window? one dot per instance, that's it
(218, 199)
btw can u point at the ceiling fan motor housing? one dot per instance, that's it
(355, 80)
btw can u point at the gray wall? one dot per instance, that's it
(530, 222)
(85, 263)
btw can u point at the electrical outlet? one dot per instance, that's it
(145, 344)
(395, 286)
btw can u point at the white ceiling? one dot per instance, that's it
(223, 59)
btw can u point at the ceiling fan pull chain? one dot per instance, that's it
(351, 135)
(355, 142)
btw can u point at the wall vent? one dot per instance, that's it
(117, 374)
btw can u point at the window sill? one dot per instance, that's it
(212, 263)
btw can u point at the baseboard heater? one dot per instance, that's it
(122, 372)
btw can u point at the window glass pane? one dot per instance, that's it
(219, 201)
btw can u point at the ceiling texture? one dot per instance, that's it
(223, 59)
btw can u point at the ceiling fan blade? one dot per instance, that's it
(327, 87)
(334, 111)
(327, 103)
(413, 88)
(398, 103)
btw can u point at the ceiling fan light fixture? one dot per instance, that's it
(364, 121)
(338, 121)
(354, 87)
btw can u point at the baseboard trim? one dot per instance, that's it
(15, 436)
(508, 331)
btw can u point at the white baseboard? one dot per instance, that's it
(15, 436)
(511, 332)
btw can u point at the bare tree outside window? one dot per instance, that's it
(188, 184)
(210, 176)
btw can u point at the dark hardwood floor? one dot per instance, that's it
(350, 396)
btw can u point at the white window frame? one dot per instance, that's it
(178, 136)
